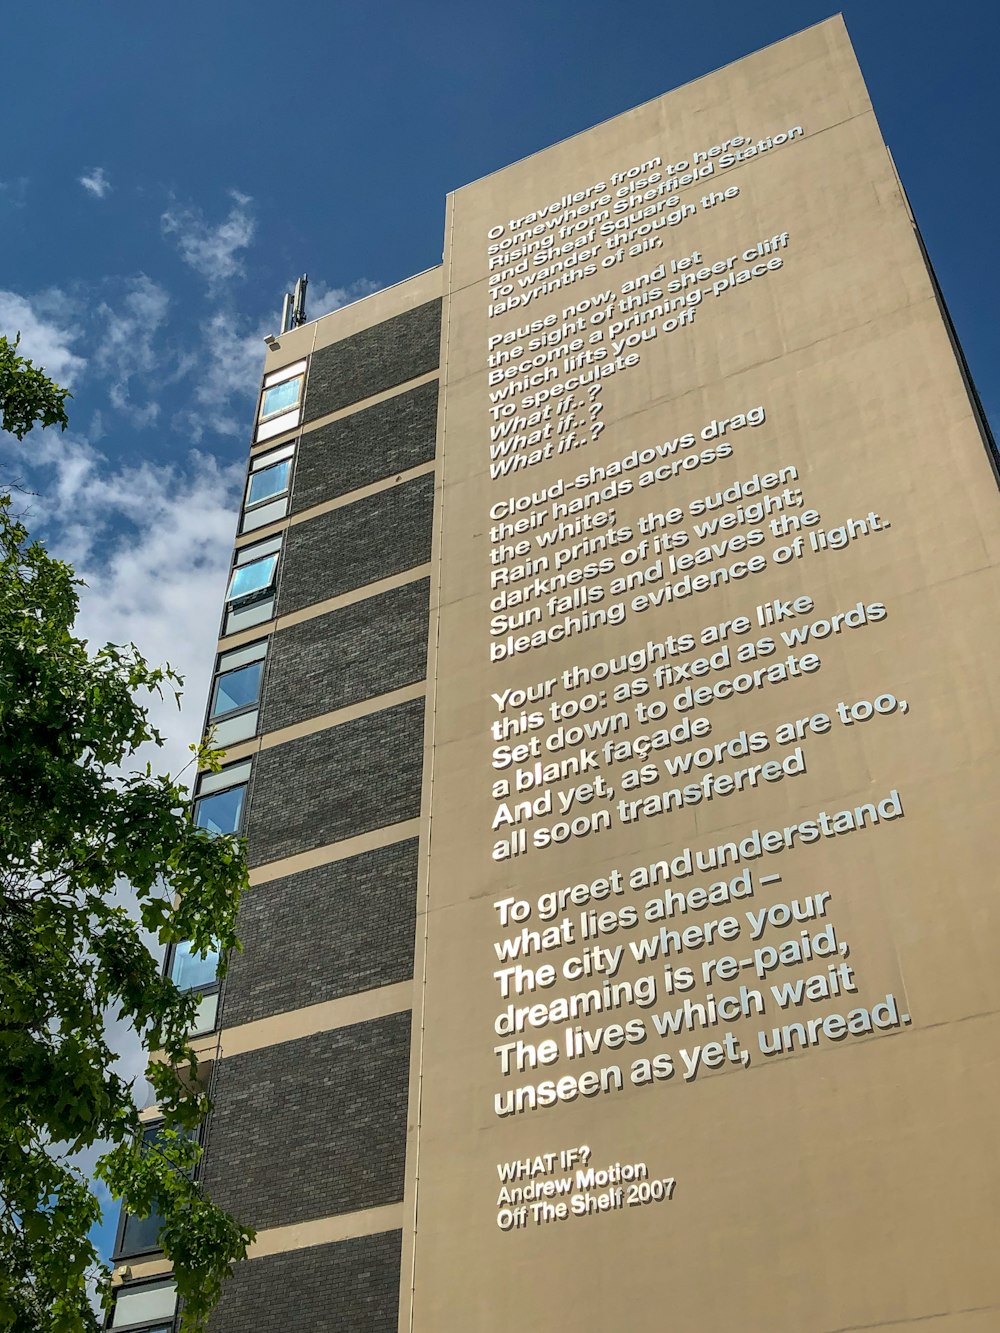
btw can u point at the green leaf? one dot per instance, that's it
(80, 816)
(27, 396)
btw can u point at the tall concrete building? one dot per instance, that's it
(607, 681)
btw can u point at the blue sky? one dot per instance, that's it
(157, 198)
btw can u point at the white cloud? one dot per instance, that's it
(235, 359)
(49, 323)
(212, 251)
(96, 182)
(225, 373)
(152, 542)
(227, 370)
(321, 299)
(125, 344)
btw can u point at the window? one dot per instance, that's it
(221, 813)
(252, 579)
(281, 401)
(233, 710)
(196, 972)
(267, 488)
(236, 689)
(280, 397)
(140, 1235)
(193, 971)
(140, 1306)
(220, 798)
(250, 595)
(267, 482)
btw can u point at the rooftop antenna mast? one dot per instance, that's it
(293, 307)
(299, 301)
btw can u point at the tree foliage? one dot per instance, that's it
(27, 395)
(78, 821)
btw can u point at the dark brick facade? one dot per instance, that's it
(351, 1286)
(316, 1127)
(348, 927)
(374, 360)
(358, 544)
(365, 447)
(337, 783)
(344, 657)
(311, 1128)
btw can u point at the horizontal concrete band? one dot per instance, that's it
(338, 502)
(323, 721)
(291, 1024)
(335, 851)
(279, 1240)
(321, 608)
(373, 400)
(327, 1230)
(359, 406)
(325, 1017)
(134, 1270)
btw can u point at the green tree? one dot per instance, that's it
(77, 820)
(27, 395)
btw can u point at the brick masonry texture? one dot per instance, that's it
(346, 927)
(366, 447)
(358, 544)
(374, 360)
(311, 1128)
(337, 783)
(351, 1286)
(346, 656)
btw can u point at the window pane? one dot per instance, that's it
(206, 1015)
(140, 1233)
(269, 481)
(191, 972)
(259, 549)
(153, 1300)
(281, 397)
(221, 812)
(237, 689)
(233, 775)
(254, 577)
(240, 727)
(285, 372)
(248, 614)
(238, 657)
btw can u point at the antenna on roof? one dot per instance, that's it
(299, 300)
(293, 307)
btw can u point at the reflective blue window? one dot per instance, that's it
(222, 811)
(281, 397)
(237, 689)
(256, 576)
(269, 481)
(190, 971)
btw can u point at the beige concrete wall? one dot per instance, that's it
(850, 1182)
